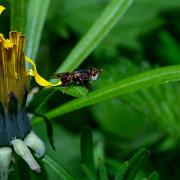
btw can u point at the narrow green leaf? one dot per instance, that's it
(130, 169)
(49, 129)
(44, 95)
(18, 15)
(36, 104)
(75, 91)
(87, 156)
(122, 171)
(88, 174)
(169, 48)
(102, 172)
(131, 84)
(58, 169)
(112, 13)
(99, 157)
(36, 14)
(142, 175)
(137, 162)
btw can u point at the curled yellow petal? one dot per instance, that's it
(2, 8)
(40, 80)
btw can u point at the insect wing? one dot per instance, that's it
(59, 75)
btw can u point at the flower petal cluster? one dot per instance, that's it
(15, 127)
(14, 86)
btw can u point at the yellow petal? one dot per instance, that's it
(2, 8)
(40, 80)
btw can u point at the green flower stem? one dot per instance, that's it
(18, 14)
(131, 84)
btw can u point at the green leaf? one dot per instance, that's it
(36, 105)
(42, 97)
(99, 156)
(75, 91)
(169, 48)
(141, 175)
(102, 172)
(36, 14)
(137, 163)
(110, 16)
(122, 171)
(18, 15)
(154, 176)
(67, 150)
(87, 156)
(78, 18)
(57, 168)
(88, 174)
(49, 129)
(133, 168)
(113, 12)
(128, 85)
(129, 110)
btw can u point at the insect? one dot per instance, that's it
(81, 77)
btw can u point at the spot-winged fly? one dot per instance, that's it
(81, 77)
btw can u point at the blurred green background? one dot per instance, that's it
(147, 37)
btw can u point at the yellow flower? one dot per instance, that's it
(14, 86)
(15, 128)
(9, 44)
(13, 75)
(1, 9)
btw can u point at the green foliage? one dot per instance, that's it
(146, 79)
(134, 103)
(127, 31)
(18, 15)
(97, 32)
(62, 173)
(138, 105)
(102, 172)
(135, 168)
(87, 150)
(170, 46)
(34, 25)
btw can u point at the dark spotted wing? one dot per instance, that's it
(60, 75)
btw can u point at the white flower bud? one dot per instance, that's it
(22, 150)
(35, 143)
(5, 159)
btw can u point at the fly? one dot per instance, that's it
(81, 77)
